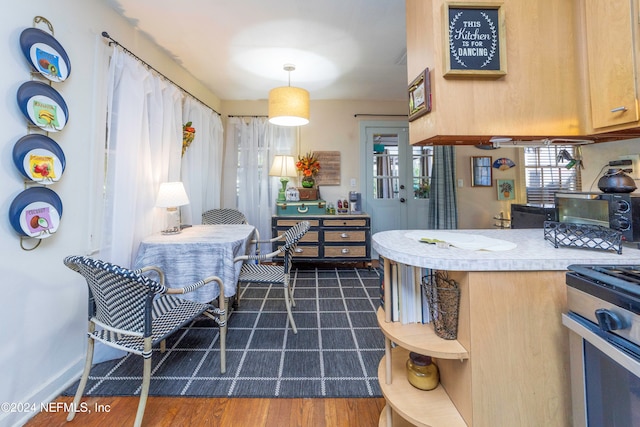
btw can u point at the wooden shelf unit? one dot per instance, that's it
(510, 359)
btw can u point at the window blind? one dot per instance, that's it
(547, 171)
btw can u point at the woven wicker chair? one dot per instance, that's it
(223, 216)
(275, 274)
(135, 313)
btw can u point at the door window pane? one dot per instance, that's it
(422, 164)
(386, 179)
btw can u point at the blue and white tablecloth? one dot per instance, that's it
(196, 253)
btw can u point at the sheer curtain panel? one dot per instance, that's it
(202, 162)
(143, 149)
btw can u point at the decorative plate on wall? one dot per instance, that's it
(45, 54)
(43, 106)
(39, 158)
(36, 212)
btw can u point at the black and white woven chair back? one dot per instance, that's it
(122, 297)
(292, 236)
(223, 216)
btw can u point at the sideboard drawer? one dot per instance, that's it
(345, 236)
(344, 222)
(310, 236)
(306, 251)
(292, 222)
(345, 251)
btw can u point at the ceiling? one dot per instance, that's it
(342, 49)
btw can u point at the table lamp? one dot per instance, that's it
(284, 167)
(170, 196)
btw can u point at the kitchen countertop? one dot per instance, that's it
(532, 251)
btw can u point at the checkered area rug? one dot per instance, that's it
(335, 353)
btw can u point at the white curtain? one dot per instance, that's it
(256, 143)
(202, 162)
(143, 149)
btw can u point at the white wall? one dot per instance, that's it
(332, 127)
(43, 305)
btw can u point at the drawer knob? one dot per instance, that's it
(345, 251)
(344, 235)
(299, 250)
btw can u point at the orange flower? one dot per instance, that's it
(308, 164)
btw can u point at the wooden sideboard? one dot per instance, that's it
(331, 238)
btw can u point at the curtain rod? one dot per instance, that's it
(107, 36)
(245, 116)
(382, 115)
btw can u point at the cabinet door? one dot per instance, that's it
(610, 61)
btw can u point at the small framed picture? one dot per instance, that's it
(481, 171)
(474, 39)
(506, 189)
(420, 96)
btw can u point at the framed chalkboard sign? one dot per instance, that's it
(475, 42)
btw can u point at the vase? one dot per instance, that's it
(308, 182)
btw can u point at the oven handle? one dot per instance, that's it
(620, 350)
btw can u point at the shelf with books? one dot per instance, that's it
(421, 338)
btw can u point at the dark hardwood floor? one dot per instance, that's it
(236, 412)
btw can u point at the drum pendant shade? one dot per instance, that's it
(288, 106)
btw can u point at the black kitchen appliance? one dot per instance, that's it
(618, 211)
(603, 318)
(531, 216)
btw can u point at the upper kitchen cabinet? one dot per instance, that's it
(537, 97)
(610, 69)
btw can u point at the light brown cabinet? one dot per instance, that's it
(537, 97)
(508, 367)
(608, 28)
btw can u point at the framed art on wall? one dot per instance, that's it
(481, 174)
(506, 189)
(474, 40)
(420, 95)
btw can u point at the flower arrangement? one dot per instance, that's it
(188, 133)
(308, 165)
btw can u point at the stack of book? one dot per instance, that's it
(402, 293)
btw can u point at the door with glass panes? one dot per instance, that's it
(396, 177)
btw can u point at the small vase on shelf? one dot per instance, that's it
(308, 182)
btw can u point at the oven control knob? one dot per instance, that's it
(620, 224)
(623, 206)
(609, 321)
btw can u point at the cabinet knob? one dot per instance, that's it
(344, 235)
(345, 251)
(615, 110)
(299, 250)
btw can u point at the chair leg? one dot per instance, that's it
(146, 379)
(287, 302)
(85, 376)
(223, 332)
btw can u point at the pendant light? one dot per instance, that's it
(288, 106)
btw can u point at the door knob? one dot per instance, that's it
(402, 200)
(402, 186)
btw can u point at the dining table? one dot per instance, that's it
(195, 253)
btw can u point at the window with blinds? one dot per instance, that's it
(547, 170)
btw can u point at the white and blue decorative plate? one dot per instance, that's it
(39, 158)
(43, 106)
(36, 212)
(45, 54)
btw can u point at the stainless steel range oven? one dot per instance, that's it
(604, 321)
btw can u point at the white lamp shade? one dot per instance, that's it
(283, 166)
(288, 106)
(171, 194)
